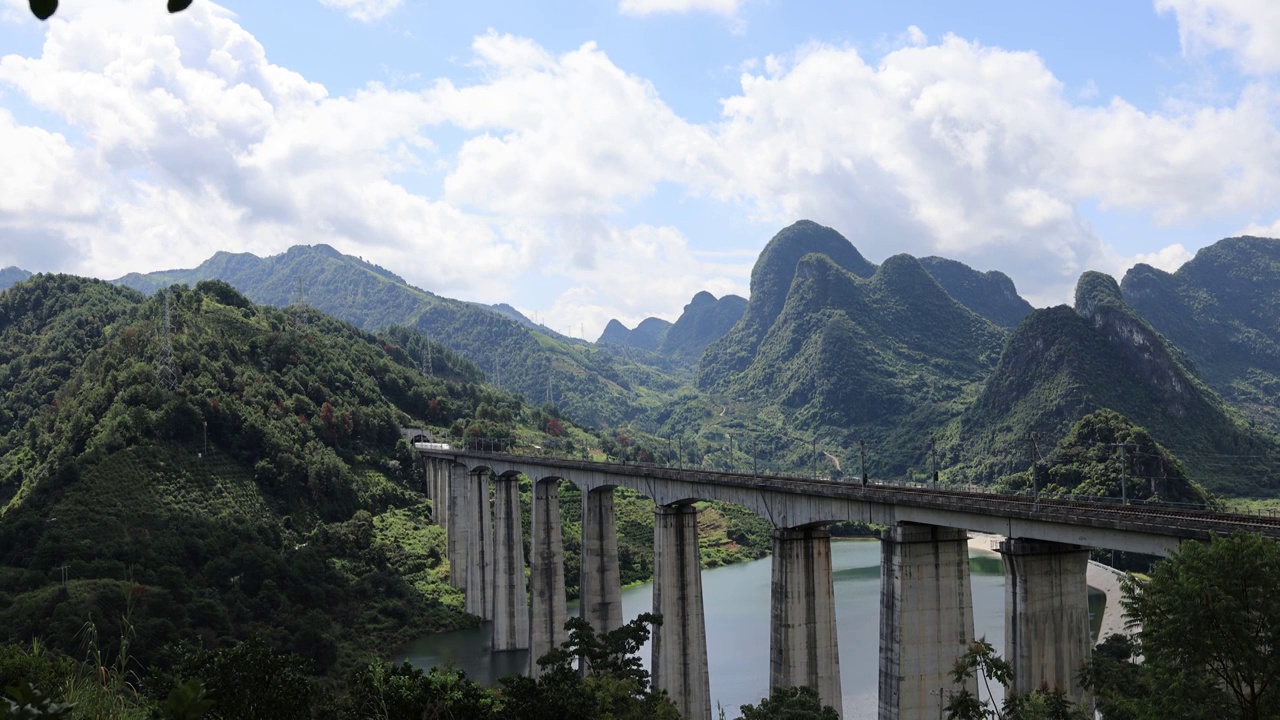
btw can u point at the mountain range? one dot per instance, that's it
(591, 383)
(12, 275)
(930, 364)
(704, 320)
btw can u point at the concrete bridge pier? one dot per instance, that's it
(510, 599)
(601, 580)
(457, 537)
(547, 598)
(1046, 627)
(926, 618)
(479, 549)
(680, 642)
(437, 472)
(440, 490)
(803, 650)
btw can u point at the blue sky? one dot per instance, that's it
(587, 160)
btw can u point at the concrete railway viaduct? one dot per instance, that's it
(926, 608)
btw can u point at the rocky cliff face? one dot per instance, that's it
(1061, 364)
(1147, 354)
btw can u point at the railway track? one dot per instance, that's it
(1158, 515)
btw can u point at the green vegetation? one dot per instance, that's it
(267, 495)
(1207, 647)
(883, 359)
(910, 364)
(990, 294)
(981, 661)
(793, 703)
(248, 681)
(1223, 309)
(1062, 364)
(648, 335)
(678, 346)
(1106, 455)
(704, 320)
(588, 382)
(770, 282)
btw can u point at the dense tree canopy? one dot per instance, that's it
(1210, 640)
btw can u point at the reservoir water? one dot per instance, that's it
(736, 600)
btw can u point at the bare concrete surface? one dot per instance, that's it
(1099, 577)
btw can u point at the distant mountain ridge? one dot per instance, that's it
(704, 320)
(11, 276)
(1223, 309)
(542, 367)
(991, 294)
(918, 358)
(648, 335)
(1063, 363)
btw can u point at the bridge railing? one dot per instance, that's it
(512, 446)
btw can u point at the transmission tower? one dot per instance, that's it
(167, 370)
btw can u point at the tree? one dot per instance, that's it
(615, 685)
(555, 428)
(981, 660)
(1210, 637)
(44, 9)
(793, 703)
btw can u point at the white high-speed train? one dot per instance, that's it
(436, 446)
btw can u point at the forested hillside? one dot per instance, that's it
(923, 364)
(587, 382)
(991, 294)
(1106, 455)
(1062, 364)
(253, 485)
(1223, 309)
(242, 474)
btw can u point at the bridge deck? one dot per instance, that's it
(1154, 519)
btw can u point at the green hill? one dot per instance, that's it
(885, 359)
(648, 335)
(770, 283)
(1223, 309)
(584, 380)
(10, 276)
(1106, 455)
(703, 321)
(1060, 365)
(256, 484)
(267, 494)
(990, 294)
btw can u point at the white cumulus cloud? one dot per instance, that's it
(186, 139)
(1247, 29)
(1168, 258)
